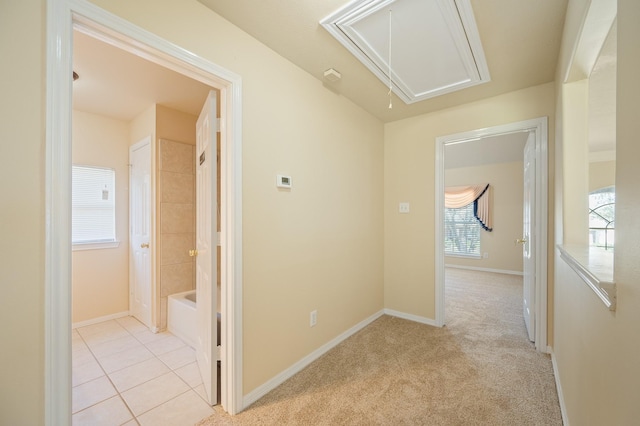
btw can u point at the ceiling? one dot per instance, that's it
(520, 40)
(120, 85)
(505, 148)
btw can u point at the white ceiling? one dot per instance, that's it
(120, 85)
(520, 39)
(489, 150)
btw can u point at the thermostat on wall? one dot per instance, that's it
(283, 181)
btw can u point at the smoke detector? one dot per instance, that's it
(332, 75)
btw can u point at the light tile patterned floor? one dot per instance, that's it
(123, 374)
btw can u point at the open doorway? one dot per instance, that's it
(116, 97)
(535, 132)
(479, 250)
(127, 37)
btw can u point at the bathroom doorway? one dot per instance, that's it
(127, 36)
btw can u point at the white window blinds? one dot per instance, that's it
(93, 205)
(462, 232)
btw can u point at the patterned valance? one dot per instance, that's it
(456, 197)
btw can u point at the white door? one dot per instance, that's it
(140, 235)
(528, 236)
(206, 259)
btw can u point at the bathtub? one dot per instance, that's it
(181, 316)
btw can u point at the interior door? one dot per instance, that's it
(528, 237)
(140, 235)
(206, 253)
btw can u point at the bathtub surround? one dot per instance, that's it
(176, 193)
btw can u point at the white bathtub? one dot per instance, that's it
(181, 316)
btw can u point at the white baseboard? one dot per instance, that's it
(473, 268)
(99, 319)
(276, 381)
(411, 317)
(563, 408)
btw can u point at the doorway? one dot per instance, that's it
(63, 16)
(537, 129)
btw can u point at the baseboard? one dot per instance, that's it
(99, 319)
(411, 317)
(473, 268)
(563, 408)
(276, 381)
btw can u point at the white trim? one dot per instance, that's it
(460, 22)
(286, 374)
(556, 375)
(539, 127)
(411, 317)
(95, 245)
(61, 16)
(474, 268)
(595, 267)
(99, 319)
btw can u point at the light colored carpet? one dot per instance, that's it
(478, 370)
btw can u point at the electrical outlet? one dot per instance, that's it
(313, 318)
(403, 208)
(485, 255)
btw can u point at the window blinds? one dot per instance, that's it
(93, 205)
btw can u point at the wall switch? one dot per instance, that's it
(485, 255)
(403, 208)
(313, 318)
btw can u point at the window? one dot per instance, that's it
(93, 217)
(462, 232)
(602, 212)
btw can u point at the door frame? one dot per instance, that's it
(62, 17)
(540, 216)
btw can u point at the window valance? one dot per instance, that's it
(461, 196)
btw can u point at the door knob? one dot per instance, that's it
(521, 241)
(193, 253)
(144, 245)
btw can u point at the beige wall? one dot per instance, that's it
(596, 350)
(100, 278)
(317, 246)
(22, 133)
(506, 180)
(602, 174)
(409, 176)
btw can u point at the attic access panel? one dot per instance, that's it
(435, 46)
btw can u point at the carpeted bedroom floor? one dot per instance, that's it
(480, 369)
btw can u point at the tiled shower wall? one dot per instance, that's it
(176, 186)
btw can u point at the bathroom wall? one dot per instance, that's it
(175, 205)
(100, 278)
(506, 180)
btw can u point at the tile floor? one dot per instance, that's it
(123, 374)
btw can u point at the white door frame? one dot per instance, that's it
(539, 127)
(62, 16)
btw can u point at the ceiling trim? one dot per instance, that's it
(363, 31)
